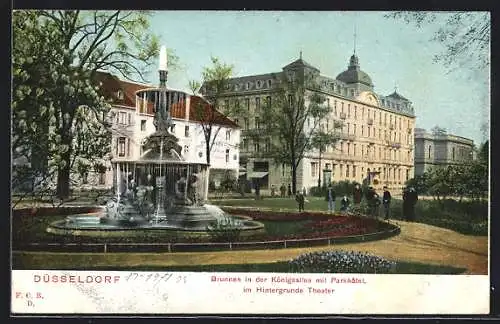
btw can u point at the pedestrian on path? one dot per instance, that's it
(299, 197)
(330, 198)
(344, 204)
(386, 202)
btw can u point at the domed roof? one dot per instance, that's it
(353, 74)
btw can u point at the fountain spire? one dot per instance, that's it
(163, 70)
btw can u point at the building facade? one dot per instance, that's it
(440, 149)
(376, 140)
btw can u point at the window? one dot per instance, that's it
(119, 94)
(453, 153)
(121, 146)
(122, 118)
(347, 171)
(354, 150)
(248, 85)
(348, 111)
(186, 149)
(227, 155)
(226, 103)
(341, 168)
(354, 129)
(362, 130)
(267, 144)
(429, 153)
(143, 125)
(352, 92)
(129, 119)
(236, 121)
(186, 131)
(348, 148)
(257, 122)
(257, 104)
(314, 165)
(245, 144)
(245, 121)
(247, 103)
(348, 128)
(328, 102)
(355, 111)
(258, 84)
(228, 135)
(335, 107)
(354, 171)
(369, 131)
(268, 100)
(341, 147)
(363, 112)
(256, 146)
(269, 83)
(236, 104)
(290, 100)
(342, 109)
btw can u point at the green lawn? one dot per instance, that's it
(314, 203)
(83, 262)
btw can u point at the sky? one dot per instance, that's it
(394, 54)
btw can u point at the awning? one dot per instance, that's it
(258, 174)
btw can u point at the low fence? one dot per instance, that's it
(203, 247)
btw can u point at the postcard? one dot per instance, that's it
(250, 162)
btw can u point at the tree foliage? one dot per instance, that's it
(465, 36)
(469, 179)
(214, 82)
(58, 111)
(294, 124)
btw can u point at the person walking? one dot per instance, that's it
(289, 191)
(330, 198)
(406, 209)
(299, 197)
(386, 202)
(412, 201)
(283, 190)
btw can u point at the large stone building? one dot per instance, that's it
(440, 149)
(376, 140)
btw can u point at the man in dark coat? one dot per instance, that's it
(356, 194)
(386, 202)
(299, 197)
(412, 201)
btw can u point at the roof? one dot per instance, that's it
(111, 84)
(207, 113)
(397, 96)
(353, 74)
(300, 63)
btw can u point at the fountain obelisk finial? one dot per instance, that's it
(163, 66)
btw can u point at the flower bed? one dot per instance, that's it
(341, 262)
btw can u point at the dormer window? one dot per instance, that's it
(119, 94)
(248, 85)
(258, 84)
(269, 83)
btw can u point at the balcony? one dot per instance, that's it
(344, 136)
(370, 121)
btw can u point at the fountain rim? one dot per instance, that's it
(157, 161)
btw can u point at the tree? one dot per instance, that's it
(59, 52)
(293, 122)
(465, 36)
(214, 83)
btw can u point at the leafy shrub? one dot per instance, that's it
(341, 262)
(341, 188)
(224, 230)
